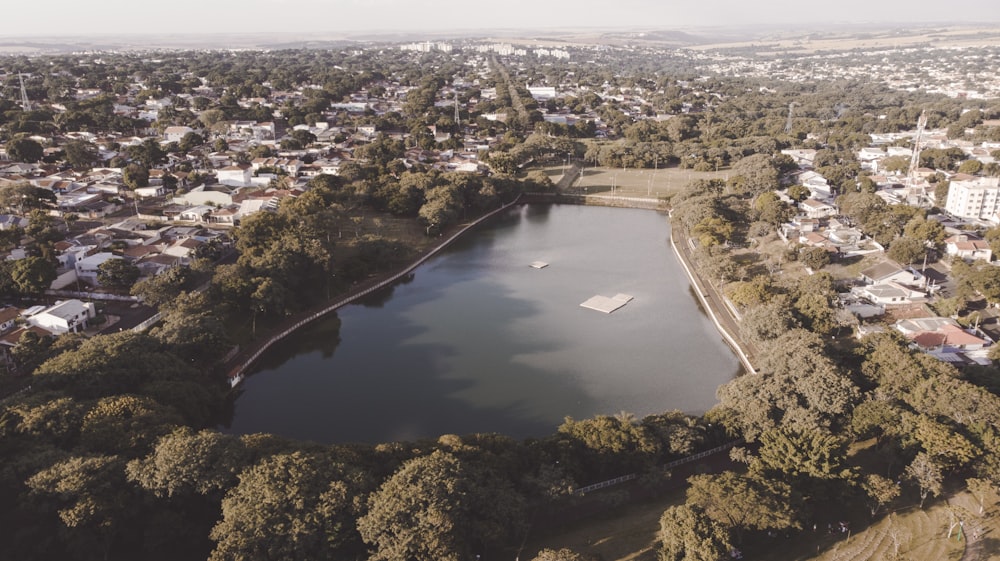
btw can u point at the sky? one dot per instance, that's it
(73, 17)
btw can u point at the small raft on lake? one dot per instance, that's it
(605, 304)
(539, 264)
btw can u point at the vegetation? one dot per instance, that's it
(110, 454)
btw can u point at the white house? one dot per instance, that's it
(239, 175)
(887, 271)
(175, 134)
(968, 247)
(888, 293)
(88, 267)
(817, 209)
(64, 317)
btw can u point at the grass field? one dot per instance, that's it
(629, 533)
(633, 182)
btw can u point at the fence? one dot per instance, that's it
(146, 324)
(91, 295)
(236, 374)
(669, 465)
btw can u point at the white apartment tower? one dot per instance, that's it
(974, 199)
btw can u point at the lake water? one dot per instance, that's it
(478, 341)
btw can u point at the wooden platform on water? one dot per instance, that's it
(605, 304)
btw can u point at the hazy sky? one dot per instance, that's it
(56, 17)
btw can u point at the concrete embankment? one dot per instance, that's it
(246, 359)
(714, 306)
(649, 203)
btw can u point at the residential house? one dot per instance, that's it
(944, 339)
(88, 267)
(239, 175)
(817, 209)
(63, 317)
(888, 293)
(887, 271)
(175, 134)
(968, 247)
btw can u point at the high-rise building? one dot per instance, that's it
(974, 199)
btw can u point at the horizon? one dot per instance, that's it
(387, 17)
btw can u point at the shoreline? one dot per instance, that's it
(237, 366)
(706, 295)
(236, 373)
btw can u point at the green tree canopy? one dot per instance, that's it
(117, 273)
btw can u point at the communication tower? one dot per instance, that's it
(25, 103)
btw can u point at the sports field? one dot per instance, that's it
(632, 182)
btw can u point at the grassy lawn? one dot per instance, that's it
(629, 533)
(626, 533)
(634, 182)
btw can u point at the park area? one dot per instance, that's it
(657, 183)
(629, 532)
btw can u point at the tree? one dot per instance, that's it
(135, 176)
(190, 141)
(436, 507)
(126, 424)
(186, 462)
(607, 443)
(981, 489)
(22, 197)
(772, 209)
(755, 174)
(80, 154)
(880, 491)
(92, 500)
(799, 193)
(739, 502)
(752, 293)
(926, 473)
(796, 454)
(798, 386)
(32, 275)
(714, 230)
(688, 534)
(289, 506)
(164, 287)
(767, 321)
(24, 149)
(906, 250)
(117, 273)
(815, 257)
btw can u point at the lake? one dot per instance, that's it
(476, 340)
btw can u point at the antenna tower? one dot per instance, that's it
(788, 123)
(25, 103)
(915, 158)
(458, 119)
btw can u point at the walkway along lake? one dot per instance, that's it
(476, 340)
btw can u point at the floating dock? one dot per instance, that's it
(539, 264)
(605, 304)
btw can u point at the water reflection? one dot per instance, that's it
(477, 341)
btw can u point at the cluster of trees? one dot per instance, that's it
(923, 421)
(110, 459)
